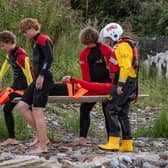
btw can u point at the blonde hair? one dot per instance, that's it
(7, 37)
(29, 23)
(88, 35)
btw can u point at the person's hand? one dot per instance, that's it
(39, 82)
(119, 90)
(0, 82)
(66, 79)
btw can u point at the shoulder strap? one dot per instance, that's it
(21, 51)
(135, 63)
(128, 40)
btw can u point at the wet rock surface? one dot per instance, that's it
(148, 152)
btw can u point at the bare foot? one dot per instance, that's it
(36, 142)
(9, 141)
(80, 142)
(38, 150)
(33, 143)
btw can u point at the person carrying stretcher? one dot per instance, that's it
(18, 59)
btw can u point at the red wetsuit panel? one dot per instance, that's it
(94, 88)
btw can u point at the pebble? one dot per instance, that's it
(114, 162)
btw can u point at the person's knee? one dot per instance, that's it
(110, 110)
(38, 113)
(21, 107)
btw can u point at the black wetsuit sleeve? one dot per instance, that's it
(47, 51)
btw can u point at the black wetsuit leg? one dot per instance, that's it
(85, 109)
(124, 121)
(9, 119)
(19, 84)
(104, 104)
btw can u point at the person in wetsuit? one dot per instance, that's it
(18, 59)
(36, 95)
(94, 60)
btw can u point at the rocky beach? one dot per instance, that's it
(149, 152)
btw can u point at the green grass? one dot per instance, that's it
(57, 20)
(159, 128)
(155, 86)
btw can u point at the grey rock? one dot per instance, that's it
(77, 155)
(125, 158)
(148, 165)
(157, 144)
(7, 156)
(164, 163)
(114, 162)
(138, 162)
(121, 165)
(53, 159)
(61, 154)
(67, 162)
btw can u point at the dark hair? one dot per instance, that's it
(7, 37)
(88, 35)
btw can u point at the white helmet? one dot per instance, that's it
(112, 30)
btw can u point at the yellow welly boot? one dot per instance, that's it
(126, 146)
(112, 145)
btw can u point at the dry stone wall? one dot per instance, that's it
(153, 52)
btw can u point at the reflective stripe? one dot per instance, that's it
(114, 47)
(44, 66)
(112, 60)
(122, 79)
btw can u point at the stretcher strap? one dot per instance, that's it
(80, 91)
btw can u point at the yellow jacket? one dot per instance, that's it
(26, 69)
(124, 56)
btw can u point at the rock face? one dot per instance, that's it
(160, 62)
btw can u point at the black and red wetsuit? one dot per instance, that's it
(96, 79)
(94, 67)
(42, 55)
(42, 60)
(94, 63)
(22, 74)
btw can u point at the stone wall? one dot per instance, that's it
(153, 52)
(152, 46)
